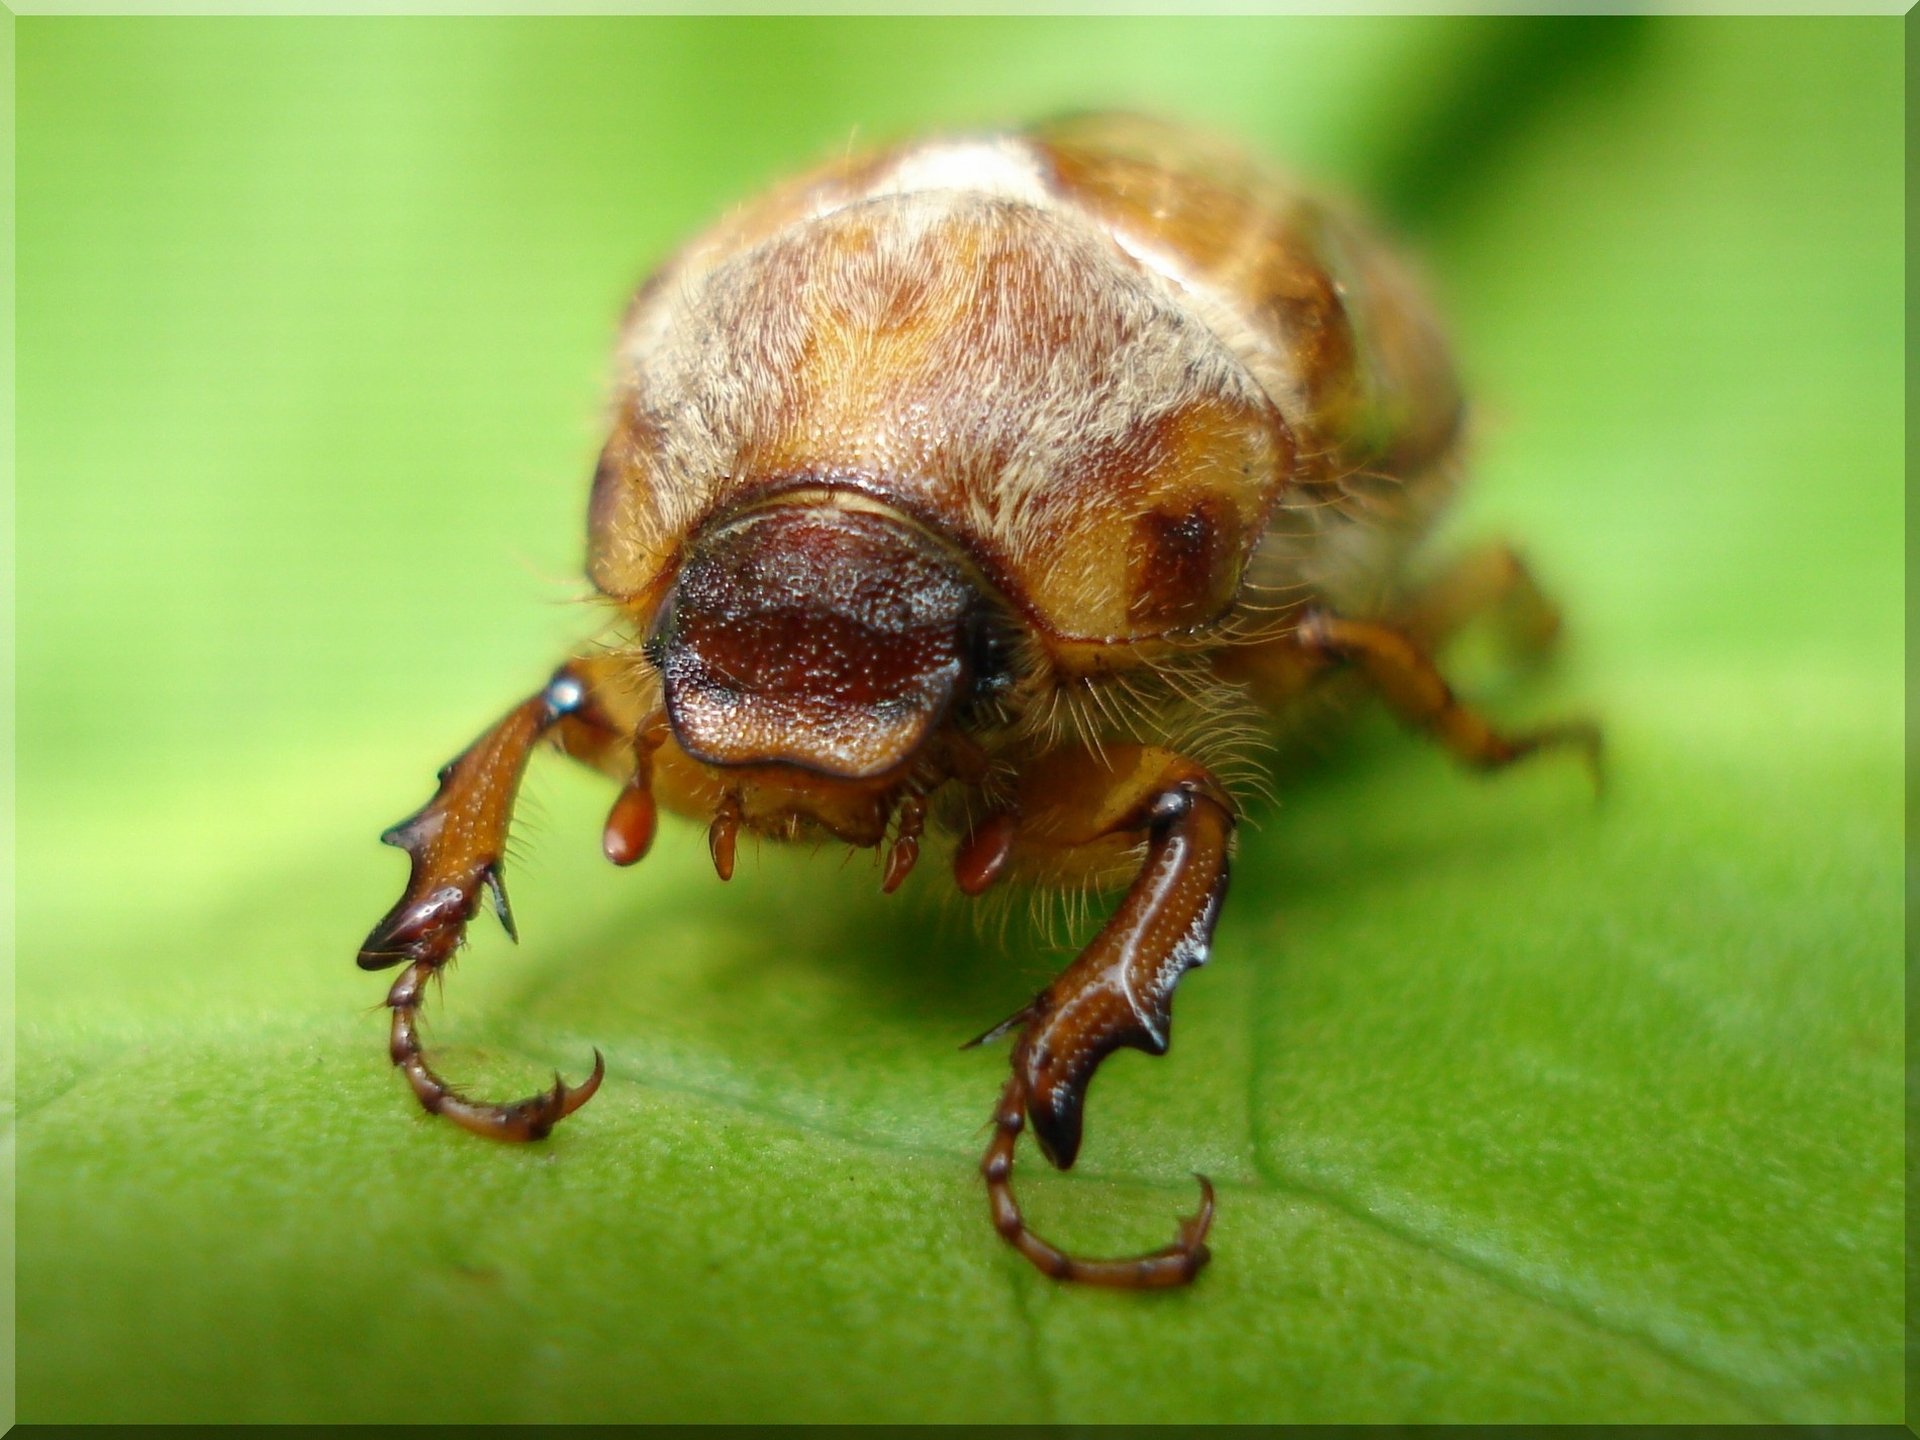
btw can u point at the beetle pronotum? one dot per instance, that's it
(984, 488)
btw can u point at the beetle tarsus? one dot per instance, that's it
(530, 1119)
(1171, 1265)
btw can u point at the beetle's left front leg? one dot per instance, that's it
(456, 843)
(1120, 990)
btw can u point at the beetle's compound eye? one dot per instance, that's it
(831, 639)
(990, 654)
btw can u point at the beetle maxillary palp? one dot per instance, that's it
(630, 824)
(983, 856)
(634, 817)
(905, 850)
(722, 835)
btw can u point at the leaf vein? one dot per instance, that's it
(1261, 1151)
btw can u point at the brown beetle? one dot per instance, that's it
(992, 487)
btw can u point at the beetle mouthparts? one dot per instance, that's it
(830, 639)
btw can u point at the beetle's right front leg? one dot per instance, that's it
(456, 843)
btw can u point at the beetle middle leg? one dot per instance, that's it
(1491, 580)
(1119, 992)
(1408, 680)
(456, 843)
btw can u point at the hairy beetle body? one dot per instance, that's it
(1097, 363)
(1005, 487)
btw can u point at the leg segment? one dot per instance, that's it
(1118, 993)
(1488, 583)
(1412, 685)
(455, 843)
(1491, 581)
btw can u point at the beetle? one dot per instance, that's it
(1013, 489)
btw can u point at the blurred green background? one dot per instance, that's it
(1520, 1108)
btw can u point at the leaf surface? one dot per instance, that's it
(1520, 1108)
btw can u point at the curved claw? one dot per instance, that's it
(530, 1119)
(1193, 1229)
(1171, 1265)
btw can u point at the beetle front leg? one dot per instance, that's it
(456, 843)
(1119, 992)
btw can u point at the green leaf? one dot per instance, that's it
(1521, 1108)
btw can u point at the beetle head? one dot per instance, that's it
(831, 639)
